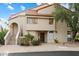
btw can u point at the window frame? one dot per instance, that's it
(50, 21)
(31, 20)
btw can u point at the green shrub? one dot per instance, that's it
(56, 41)
(35, 42)
(77, 37)
(24, 42)
(29, 37)
(2, 35)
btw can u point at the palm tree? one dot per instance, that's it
(70, 16)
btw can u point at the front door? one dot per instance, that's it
(42, 37)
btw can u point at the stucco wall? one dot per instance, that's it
(61, 31)
(47, 10)
(42, 24)
(20, 21)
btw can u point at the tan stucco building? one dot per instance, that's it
(39, 22)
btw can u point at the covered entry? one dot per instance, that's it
(42, 36)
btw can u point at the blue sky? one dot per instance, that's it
(6, 9)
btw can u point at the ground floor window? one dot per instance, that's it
(51, 35)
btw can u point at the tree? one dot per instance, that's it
(2, 35)
(70, 16)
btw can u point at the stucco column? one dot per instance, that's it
(55, 35)
(47, 36)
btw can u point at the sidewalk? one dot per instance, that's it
(43, 47)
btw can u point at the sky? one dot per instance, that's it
(7, 9)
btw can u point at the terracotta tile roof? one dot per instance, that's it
(26, 12)
(33, 11)
(43, 6)
(30, 13)
(39, 15)
(40, 7)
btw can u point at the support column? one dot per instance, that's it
(55, 35)
(47, 36)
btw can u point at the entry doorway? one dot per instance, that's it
(42, 37)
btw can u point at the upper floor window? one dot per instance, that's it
(31, 20)
(50, 21)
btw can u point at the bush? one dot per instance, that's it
(56, 41)
(24, 42)
(28, 40)
(29, 37)
(77, 38)
(2, 35)
(35, 42)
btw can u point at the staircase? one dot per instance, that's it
(11, 38)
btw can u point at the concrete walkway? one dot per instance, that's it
(43, 47)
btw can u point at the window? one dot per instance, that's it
(32, 20)
(50, 21)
